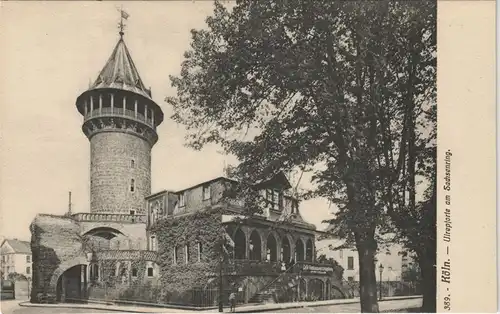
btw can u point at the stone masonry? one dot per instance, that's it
(120, 171)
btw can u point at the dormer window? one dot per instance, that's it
(182, 199)
(274, 199)
(206, 192)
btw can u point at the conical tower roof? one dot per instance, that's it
(120, 72)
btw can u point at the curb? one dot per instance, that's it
(78, 306)
(244, 309)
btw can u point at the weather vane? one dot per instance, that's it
(123, 16)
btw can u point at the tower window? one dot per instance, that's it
(186, 253)
(132, 185)
(200, 251)
(153, 243)
(134, 272)
(132, 164)
(150, 271)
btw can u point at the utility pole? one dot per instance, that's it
(221, 261)
(69, 203)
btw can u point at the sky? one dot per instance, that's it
(50, 52)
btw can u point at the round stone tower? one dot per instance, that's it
(120, 120)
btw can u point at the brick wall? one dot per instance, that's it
(111, 172)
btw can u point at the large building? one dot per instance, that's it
(168, 244)
(16, 258)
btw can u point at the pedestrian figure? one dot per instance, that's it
(232, 300)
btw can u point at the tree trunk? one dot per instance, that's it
(367, 280)
(427, 263)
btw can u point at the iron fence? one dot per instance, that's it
(156, 294)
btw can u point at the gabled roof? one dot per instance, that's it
(278, 179)
(120, 72)
(18, 246)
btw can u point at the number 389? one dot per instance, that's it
(447, 303)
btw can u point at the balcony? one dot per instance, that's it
(120, 112)
(101, 217)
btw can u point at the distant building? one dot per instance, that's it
(16, 257)
(394, 258)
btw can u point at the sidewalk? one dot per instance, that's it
(241, 309)
(291, 305)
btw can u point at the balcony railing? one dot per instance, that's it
(126, 255)
(109, 217)
(120, 112)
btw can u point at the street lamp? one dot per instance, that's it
(380, 269)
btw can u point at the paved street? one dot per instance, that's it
(12, 307)
(354, 308)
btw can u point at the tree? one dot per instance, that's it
(316, 86)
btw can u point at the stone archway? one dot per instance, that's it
(240, 244)
(299, 250)
(100, 238)
(272, 248)
(255, 246)
(80, 260)
(69, 280)
(72, 284)
(286, 250)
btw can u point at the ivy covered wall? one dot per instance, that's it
(202, 227)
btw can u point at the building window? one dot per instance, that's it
(350, 279)
(132, 164)
(206, 192)
(150, 271)
(153, 244)
(182, 199)
(132, 212)
(132, 185)
(3, 258)
(28, 270)
(274, 199)
(134, 272)
(28, 259)
(186, 253)
(350, 262)
(341, 254)
(200, 251)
